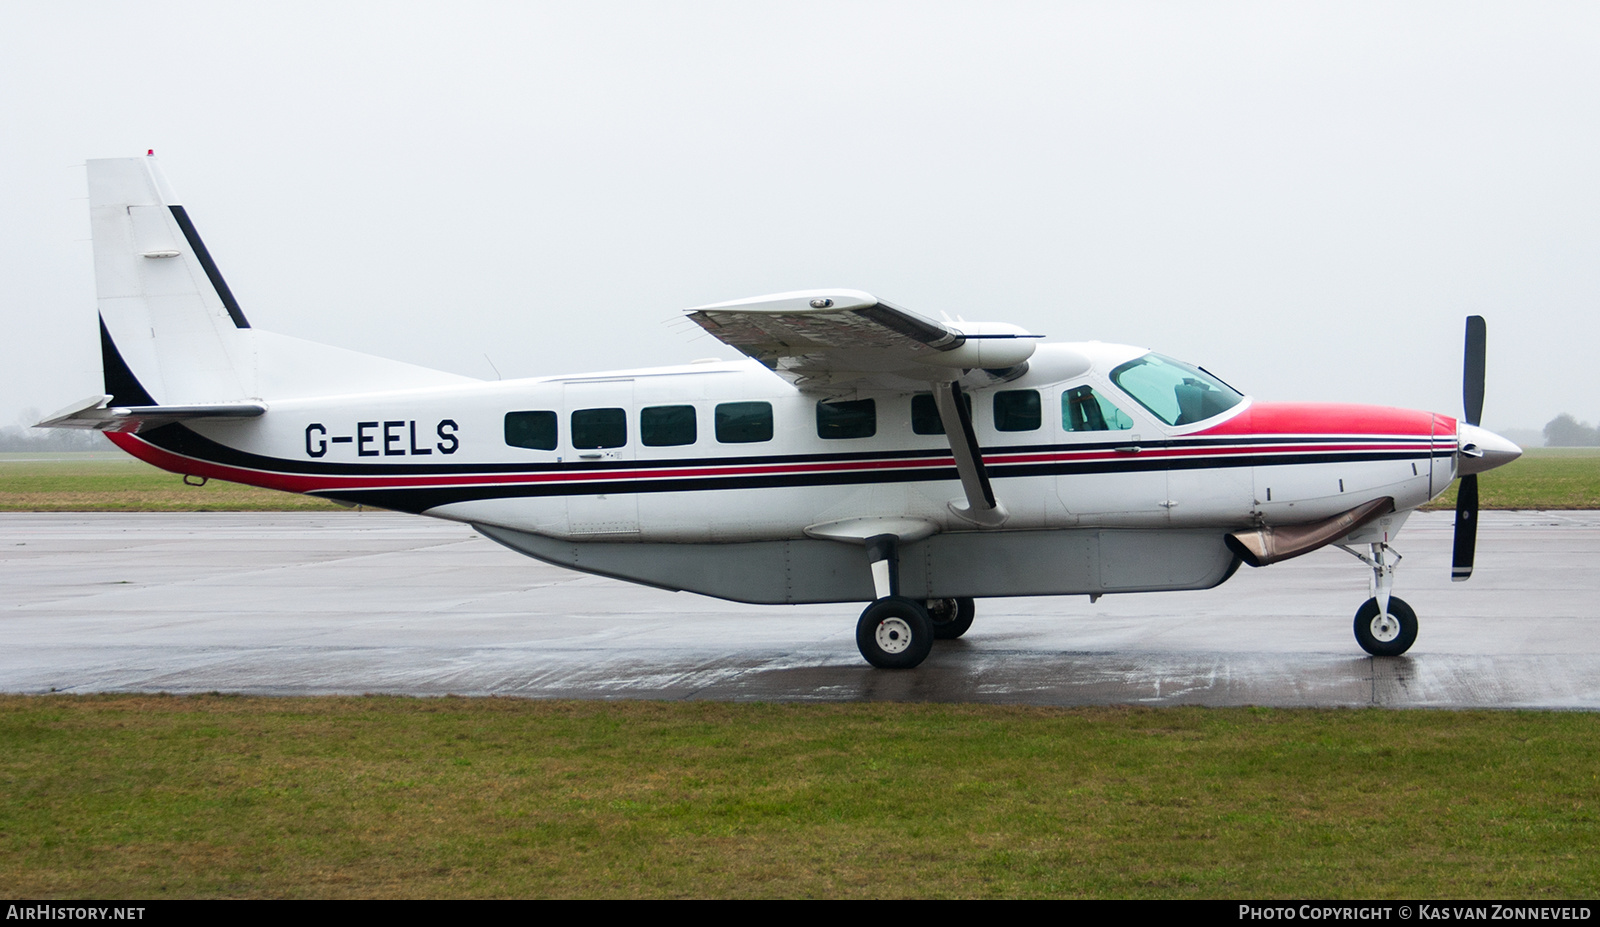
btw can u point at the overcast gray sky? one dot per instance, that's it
(1306, 198)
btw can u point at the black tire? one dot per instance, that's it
(1386, 641)
(951, 617)
(895, 633)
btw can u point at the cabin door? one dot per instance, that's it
(600, 435)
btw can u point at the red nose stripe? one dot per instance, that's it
(1312, 418)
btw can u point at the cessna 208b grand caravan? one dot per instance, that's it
(862, 452)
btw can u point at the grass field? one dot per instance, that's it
(111, 481)
(153, 796)
(1545, 478)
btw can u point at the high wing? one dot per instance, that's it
(839, 342)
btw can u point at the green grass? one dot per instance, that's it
(141, 796)
(114, 482)
(1543, 478)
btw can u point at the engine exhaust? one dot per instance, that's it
(1264, 545)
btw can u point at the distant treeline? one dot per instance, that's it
(1566, 431)
(51, 440)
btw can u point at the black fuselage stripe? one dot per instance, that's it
(179, 439)
(420, 498)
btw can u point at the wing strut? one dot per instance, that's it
(981, 508)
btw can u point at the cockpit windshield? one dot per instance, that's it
(1173, 391)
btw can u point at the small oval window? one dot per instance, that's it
(854, 419)
(666, 426)
(596, 428)
(1017, 410)
(536, 430)
(743, 422)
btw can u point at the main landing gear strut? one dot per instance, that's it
(1385, 625)
(896, 632)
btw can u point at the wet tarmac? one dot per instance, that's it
(290, 604)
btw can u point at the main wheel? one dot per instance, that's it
(895, 633)
(1386, 635)
(951, 617)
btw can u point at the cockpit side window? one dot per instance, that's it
(1083, 409)
(1173, 391)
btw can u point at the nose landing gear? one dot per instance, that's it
(1385, 625)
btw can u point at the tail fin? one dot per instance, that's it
(171, 330)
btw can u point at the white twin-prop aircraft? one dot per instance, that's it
(862, 453)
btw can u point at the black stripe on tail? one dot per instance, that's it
(124, 387)
(217, 283)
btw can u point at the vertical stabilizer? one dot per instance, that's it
(170, 327)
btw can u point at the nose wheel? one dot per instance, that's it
(1386, 634)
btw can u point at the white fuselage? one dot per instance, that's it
(443, 451)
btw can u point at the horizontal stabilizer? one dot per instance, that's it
(97, 413)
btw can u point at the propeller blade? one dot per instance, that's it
(1466, 528)
(1472, 369)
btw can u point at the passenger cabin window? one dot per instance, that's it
(1017, 410)
(593, 428)
(743, 422)
(536, 430)
(1173, 391)
(925, 414)
(1083, 409)
(854, 419)
(666, 426)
